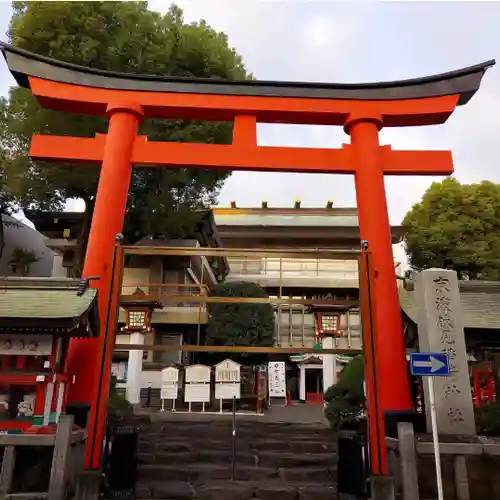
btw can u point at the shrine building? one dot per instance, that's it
(334, 228)
(38, 317)
(185, 323)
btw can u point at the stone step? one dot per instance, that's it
(223, 431)
(236, 490)
(217, 431)
(254, 441)
(225, 420)
(240, 435)
(193, 457)
(183, 445)
(290, 460)
(201, 473)
(265, 459)
(256, 427)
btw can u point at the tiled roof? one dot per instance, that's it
(480, 302)
(46, 299)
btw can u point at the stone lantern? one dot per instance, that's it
(138, 313)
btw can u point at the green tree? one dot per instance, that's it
(240, 324)
(456, 226)
(346, 397)
(127, 37)
(7, 201)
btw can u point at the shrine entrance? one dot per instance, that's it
(232, 403)
(361, 109)
(327, 337)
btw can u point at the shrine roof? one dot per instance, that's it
(307, 359)
(480, 302)
(51, 303)
(282, 217)
(465, 82)
(343, 220)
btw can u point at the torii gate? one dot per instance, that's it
(362, 109)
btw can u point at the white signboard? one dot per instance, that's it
(227, 391)
(197, 393)
(169, 391)
(198, 373)
(170, 375)
(228, 371)
(277, 379)
(26, 345)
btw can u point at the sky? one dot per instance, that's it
(355, 41)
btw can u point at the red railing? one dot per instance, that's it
(483, 386)
(315, 398)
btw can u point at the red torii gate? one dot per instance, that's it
(362, 109)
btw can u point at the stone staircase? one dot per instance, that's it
(190, 458)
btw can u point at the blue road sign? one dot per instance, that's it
(429, 364)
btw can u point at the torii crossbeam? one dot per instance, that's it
(362, 109)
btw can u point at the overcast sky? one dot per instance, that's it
(348, 42)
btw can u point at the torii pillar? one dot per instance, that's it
(362, 109)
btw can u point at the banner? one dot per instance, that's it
(277, 379)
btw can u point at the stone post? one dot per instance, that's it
(302, 383)
(59, 470)
(134, 371)
(440, 329)
(382, 488)
(408, 461)
(329, 364)
(7, 470)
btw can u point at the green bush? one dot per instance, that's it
(488, 420)
(118, 406)
(345, 399)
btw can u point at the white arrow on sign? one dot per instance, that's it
(433, 363)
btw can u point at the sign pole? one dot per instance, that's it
(233, 458)
(430, 365)
(435, 438)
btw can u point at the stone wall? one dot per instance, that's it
(482, 473)
(470, 466)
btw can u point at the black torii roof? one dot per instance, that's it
(465, 82)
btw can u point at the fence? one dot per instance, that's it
(67, 460)
(412, 466)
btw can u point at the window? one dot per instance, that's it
(137, 319)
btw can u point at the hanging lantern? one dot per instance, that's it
(327, 323)
(139, 311)
(138, 319)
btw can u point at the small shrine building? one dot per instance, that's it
(38, 318)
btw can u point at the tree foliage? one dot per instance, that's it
(240, 324)
(5, 195)
(127, 37)
(347, 396)
(456, 226)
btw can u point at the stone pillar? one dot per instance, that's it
(329, 364)
(134, 370)
(408, 461)
(440, 329)
(302, 383)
